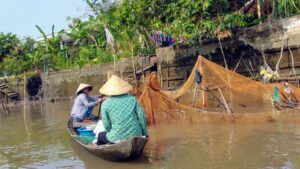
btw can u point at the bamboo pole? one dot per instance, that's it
(259, 11)
(6, 98)
(204, 95)
(143, 75)
(133, 65)
(24, 90)
(280, 58)
(5, 108)
(248, 68)
(195, 93)
(24, 108)
(226, 66)
(224, 101)
(114, 57)
(238, 63)
(160, 74)
(293, 64)
(250, 63)
(264, 57)
(236, 66)
(168, 71)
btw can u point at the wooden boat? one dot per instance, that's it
(121, 151)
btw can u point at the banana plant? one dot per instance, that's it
(35, 60)
(52, 43)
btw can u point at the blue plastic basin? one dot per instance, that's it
(85, 132)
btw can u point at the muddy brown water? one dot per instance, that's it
(38, 138)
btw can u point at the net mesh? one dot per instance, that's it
(220, 90)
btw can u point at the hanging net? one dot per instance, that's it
(214, 88)
(156, 104)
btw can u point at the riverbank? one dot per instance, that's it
(272, 43)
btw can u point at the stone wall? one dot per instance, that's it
(271, 35)
(64, 84)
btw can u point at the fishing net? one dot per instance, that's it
(213, 88)
(223, 89)
(156, 104)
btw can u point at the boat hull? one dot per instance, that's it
(121, 151)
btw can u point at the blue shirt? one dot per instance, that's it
(82, 102)
(123, 118)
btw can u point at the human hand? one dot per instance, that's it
(147, 137)
(100, 100)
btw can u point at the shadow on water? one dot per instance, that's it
(93, 162)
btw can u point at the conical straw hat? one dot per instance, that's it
(115, 86)
(83, 86)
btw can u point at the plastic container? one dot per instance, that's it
(83, 131)
(90, 127)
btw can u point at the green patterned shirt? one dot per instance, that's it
(123, 118)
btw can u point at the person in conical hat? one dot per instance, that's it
(84, 104)
(122, 115)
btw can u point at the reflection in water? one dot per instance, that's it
(37, 138)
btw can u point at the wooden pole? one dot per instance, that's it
(143, 75)
(281, 55)
(224, 101)
(226, 66)
(168, 71)
(133, 65)
(160, 74)
(6, 98)
(293, 64)
(114, 56)
(204, 94)
(99, 111)
(250, 63)
(236, 66)
(5, 108)
(238, 63)
(252, 75)
(264, 57)
(259, 11)
(24, 108)
(195, 94)
(24, 91)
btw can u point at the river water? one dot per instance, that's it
(38, 138)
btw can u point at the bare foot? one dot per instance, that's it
(94, 144)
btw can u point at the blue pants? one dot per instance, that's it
(87, 114)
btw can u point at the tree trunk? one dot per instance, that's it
(259, 11)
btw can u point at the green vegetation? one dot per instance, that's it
(286, 8)
(130, 22)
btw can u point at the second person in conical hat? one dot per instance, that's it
(122, 116)
(84, 104)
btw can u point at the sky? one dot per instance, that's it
(21, 16)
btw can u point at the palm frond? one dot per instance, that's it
(53, 31)
(42, 33)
